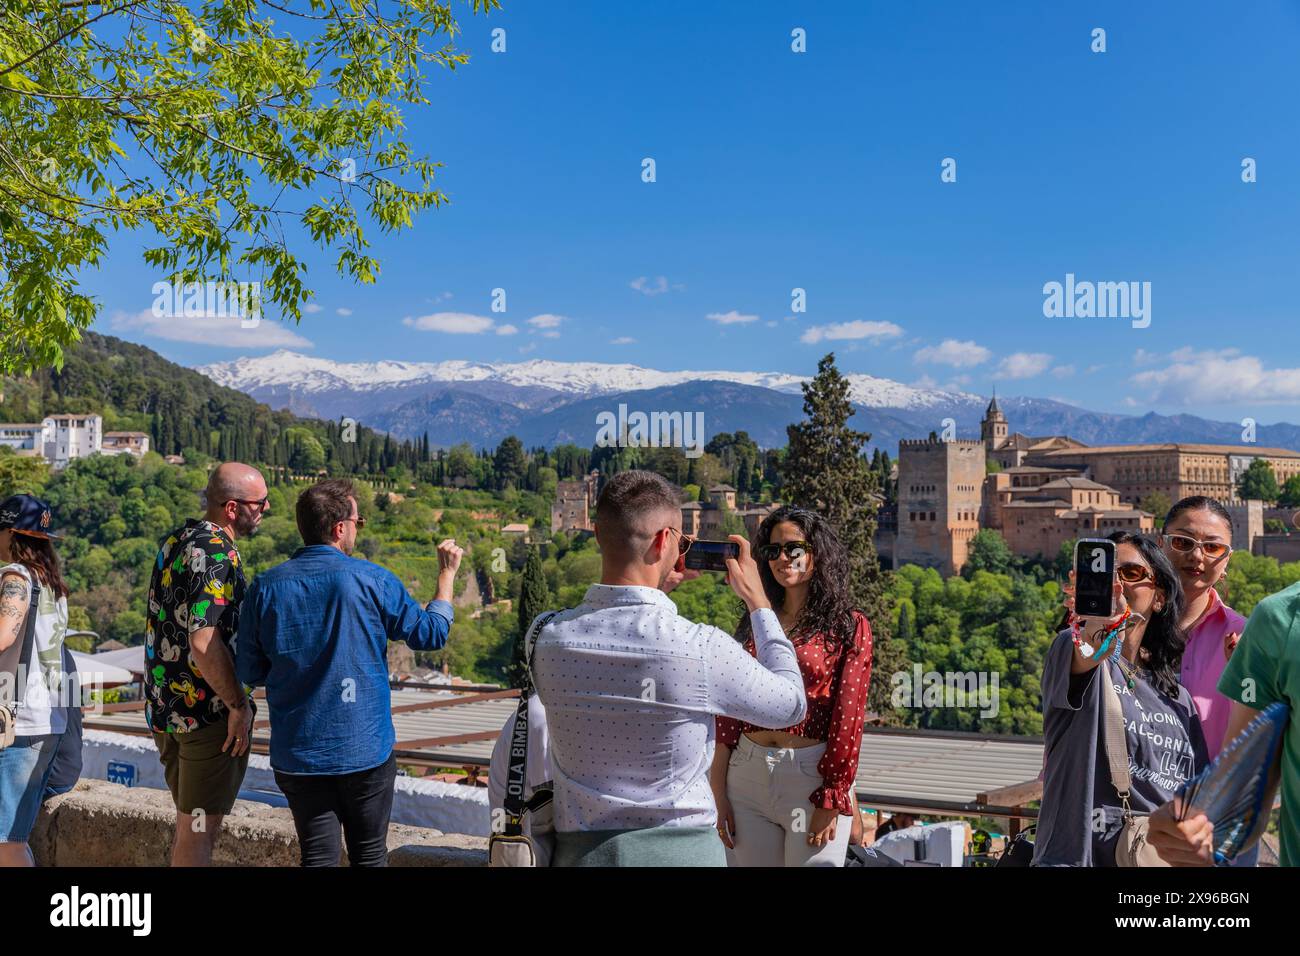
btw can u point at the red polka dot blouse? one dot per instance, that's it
(836, 681)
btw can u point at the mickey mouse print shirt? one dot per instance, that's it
(197, 582)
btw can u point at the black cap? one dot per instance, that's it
(27, 514)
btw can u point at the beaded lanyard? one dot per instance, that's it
(1086, 650)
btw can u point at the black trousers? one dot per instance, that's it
(361, 803)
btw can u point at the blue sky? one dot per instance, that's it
(821, 170)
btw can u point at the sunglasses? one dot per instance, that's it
(1186, 544)
(792, 549)
(258, 504)
(361, 522)
(1134, 573)
(684, 541)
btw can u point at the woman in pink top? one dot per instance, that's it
(1197, 538)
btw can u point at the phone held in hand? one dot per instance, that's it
(1094, 577)
(711, 555)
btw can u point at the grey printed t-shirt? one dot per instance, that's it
(1081, 813)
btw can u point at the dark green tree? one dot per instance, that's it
(534, 598)
(510, 462)
(1258, 482)
(824, 470)
(1290, 496)
(988, 552)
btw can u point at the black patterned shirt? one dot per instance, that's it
(197, 582)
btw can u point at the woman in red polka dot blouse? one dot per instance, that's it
(785, 797)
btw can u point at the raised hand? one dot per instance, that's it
(449, 557)
(742, 575)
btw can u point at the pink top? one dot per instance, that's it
(1203, 664)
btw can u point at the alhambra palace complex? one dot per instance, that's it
(1054, 489)
(1047, 491)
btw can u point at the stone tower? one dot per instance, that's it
(993, 426)
(940, 492)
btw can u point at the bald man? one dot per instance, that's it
(200, 715)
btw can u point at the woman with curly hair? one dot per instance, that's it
(785, 797)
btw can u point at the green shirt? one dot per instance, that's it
(1263, 669)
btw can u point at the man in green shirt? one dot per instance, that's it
(1263, 669)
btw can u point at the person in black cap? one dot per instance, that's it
(33, 621)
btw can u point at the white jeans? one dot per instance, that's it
(768, 789)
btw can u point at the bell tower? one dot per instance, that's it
(993, 427)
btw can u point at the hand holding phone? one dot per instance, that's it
(743, 576)
(1094, 577)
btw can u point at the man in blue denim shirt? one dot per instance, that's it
(315, 631)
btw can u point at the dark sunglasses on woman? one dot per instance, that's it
(792, 549)
(1134, 573)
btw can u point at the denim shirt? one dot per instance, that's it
(315, 631)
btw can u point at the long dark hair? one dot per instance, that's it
(37, 555)
(829, 608)
(1164, 639)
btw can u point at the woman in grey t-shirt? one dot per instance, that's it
(1080, 818)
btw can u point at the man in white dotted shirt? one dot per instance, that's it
(631, 689)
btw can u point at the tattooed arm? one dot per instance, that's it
(13, 608)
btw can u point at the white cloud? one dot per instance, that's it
(1023, 365)
(1219, 377)
(506, 330)
(215, 330)
(875, 332)
(622, 340)
(954, 353)
(546, 321)
(730, 318)
(311, 308)
(452, 323)
(550, 335)
(343, 311)
(1063, 371)
(656, 286)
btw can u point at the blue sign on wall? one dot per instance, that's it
(123, 773)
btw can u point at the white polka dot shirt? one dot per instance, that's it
(631, 690)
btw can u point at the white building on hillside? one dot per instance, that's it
(25, 438)
(72, 436)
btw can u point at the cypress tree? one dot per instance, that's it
(534, 599)
(824, 470)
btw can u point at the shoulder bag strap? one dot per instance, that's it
(517, 773)
(1115, 737)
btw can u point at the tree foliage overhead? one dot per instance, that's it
(214, 126)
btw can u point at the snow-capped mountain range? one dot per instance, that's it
(545, 403)
(308, 375)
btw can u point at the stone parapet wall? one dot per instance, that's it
(105, 824)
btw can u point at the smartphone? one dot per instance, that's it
(711, 555)
(1094, 577)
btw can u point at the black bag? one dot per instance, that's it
(1021, 850)
(866, 856)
